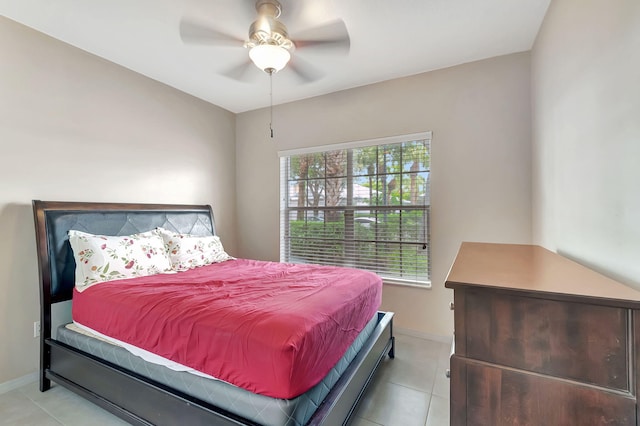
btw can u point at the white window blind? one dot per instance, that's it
(360, 206)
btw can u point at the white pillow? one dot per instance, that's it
(189, 251)
(104, 258)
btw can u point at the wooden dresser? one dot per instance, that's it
(541, 340)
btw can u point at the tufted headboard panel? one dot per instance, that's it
(53, 219)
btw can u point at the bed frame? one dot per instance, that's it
(134, 398)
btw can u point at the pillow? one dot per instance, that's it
(104, 258)
(189, 251)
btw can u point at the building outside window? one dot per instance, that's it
(362, 204)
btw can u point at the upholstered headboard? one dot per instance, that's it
(53, 219)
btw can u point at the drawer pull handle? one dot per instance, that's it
(451, 306)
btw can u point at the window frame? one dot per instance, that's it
(398, 139)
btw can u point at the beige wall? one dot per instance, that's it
(75, 127)
(481, 188)
(586, 134)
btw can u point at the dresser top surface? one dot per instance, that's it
(529, 268)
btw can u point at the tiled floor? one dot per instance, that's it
(409, 390)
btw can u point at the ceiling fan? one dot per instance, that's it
(269, 44)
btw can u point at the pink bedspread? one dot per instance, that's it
(271, 328)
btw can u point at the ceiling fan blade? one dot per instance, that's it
(304, 70)
(331, 36)
(192, 32)
(242, 72)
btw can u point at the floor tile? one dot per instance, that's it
(32, 390)
(391, 404)
(419, 364)
(438, 411)
(359, 421)
(18, 410)
(68, 408)
(416, 348)
(404, 371)
(441, 383)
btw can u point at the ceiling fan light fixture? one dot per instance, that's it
(269, 58)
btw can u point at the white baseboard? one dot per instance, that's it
(18, 383)
(422, 335)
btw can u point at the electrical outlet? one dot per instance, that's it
(36, 329)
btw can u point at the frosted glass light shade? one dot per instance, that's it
(269, 57)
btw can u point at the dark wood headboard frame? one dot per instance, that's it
(111, 386)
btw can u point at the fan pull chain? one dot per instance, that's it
(271, 103)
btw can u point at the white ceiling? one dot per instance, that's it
(389, 39)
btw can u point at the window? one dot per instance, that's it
(363, 205)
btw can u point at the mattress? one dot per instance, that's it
(254, 407)
(271, 328)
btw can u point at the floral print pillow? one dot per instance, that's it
(189, 251)
(104, 258)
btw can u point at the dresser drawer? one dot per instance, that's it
(504, 397)
(582, 342)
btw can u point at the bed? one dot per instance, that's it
(143, 393)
